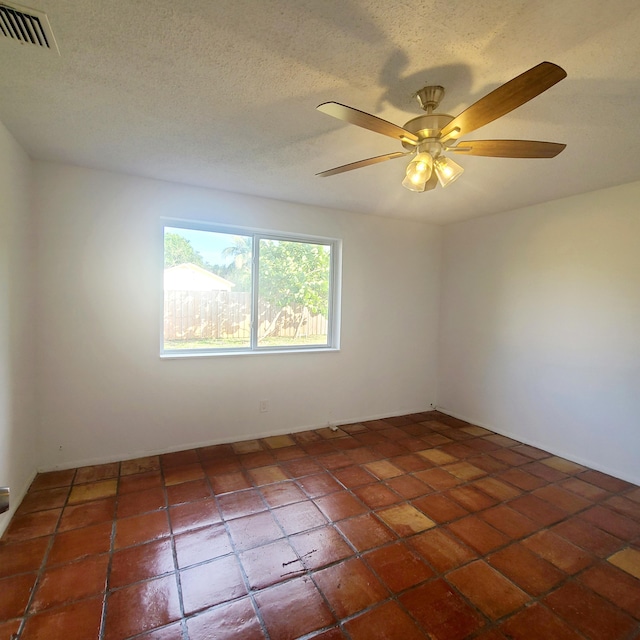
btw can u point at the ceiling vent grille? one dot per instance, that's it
(26, 26)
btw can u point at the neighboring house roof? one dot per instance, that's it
(191, 277)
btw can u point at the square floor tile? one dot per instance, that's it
(382, 623)
(69, 582)
(526, 569)
(589, 613)
(75, 621)
(144, 528)
(254, 530)
(538, 510)
(53, 479)
(536, 622)
(246, 446)
(464, 471)
(405, 520)
(278, 442)
(440, 508)
(490, 591)
(141, 563)
(350, 587)
(383, 469)
(32, 525)
(320, 547)
(93, 491)
(133, 504)
(267, 475)
(628, 560)
(618, 587)
(408, 487)
(157, 598)
(470, 498)
(270, 564)
(588, 536)
(16, 591)
(436, 456)
(376, 495)
(614, 523)
(77, 543)
(299, 516)
(340, 505)
(84, 515)
(318, 485)
(140, 482)
(293, 609)
(139, 465)
(228, 482)
(282, 493)
(21, 557)
(189, 492)
(509, 521)
(198, 545)
(241, 503)
(441, 550)
(437, 479)
(97, 472)
(441, 611)
(233, 621)
(183, 473)
(561, 498)
(45, 499)
(206, 585)
(558, 551)
(478, 534)
(365, 532)
(193, 515)
(398, 566)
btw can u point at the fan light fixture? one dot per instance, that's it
(420, 169)
(418, 172)
(447, 170)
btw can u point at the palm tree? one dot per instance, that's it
(241, 251)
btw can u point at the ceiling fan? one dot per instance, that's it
(428, 136)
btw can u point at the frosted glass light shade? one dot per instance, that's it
(418, 172)
(447, 170)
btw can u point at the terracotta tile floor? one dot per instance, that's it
(419, 526)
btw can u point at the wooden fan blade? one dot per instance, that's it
(363, 163)
(506, 98)
(367, 121)
(509, 148)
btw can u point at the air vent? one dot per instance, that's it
(26, 26)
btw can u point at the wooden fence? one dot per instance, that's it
(194, 315)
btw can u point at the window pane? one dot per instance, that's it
(207, 290)
(293, 293)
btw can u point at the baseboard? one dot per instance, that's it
(592, 464)
(84, 462)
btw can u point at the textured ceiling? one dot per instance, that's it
(223, 94)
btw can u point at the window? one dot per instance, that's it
(237, 290)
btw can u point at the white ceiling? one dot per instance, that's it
(223, 93)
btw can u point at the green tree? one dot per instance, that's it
(178, 250)
(295, 273)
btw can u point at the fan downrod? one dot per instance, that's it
(430, 97)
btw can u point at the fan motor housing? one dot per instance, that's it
(427, 126)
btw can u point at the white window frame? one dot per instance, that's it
(335, 280)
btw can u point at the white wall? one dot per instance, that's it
(103, 391)
(17, 407)
(540, 326)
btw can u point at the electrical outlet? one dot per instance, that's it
(264, 406)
